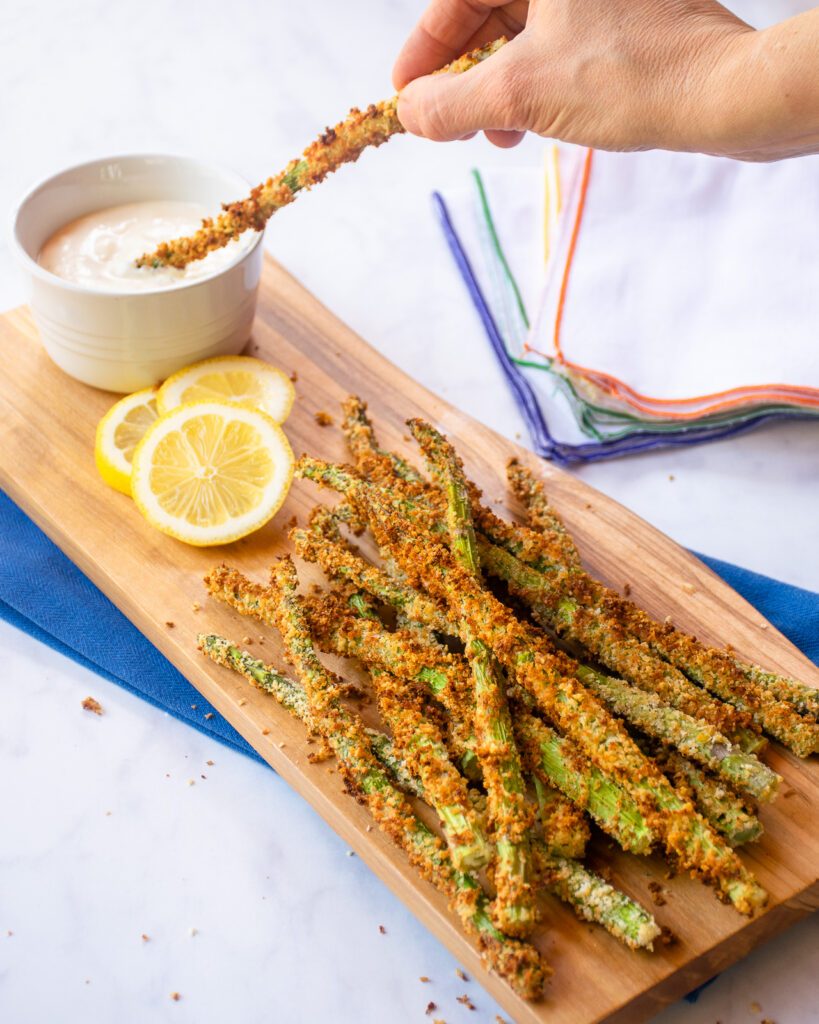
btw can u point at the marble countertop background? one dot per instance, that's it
(252, 908)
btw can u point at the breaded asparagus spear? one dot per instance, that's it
(531, 660)
(335, 146)
(419, 743)
(540, 514)
(519, 962)
(510, 813)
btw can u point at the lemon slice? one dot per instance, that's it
(119, 432)
(230, 379)
(211, 472)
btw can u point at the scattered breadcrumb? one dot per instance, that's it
(9, 933)
(194, 707)
(241, 702)
(656, 891)
(626, 589)
(265, 732)
(191, 782)
(92, 705)
(689, 589)
(196, 606)
(247, 640)
(324, 419)
(755, 1007)
(146, 938)
(424, 978)
(194, 931)
(464, 1000)
(170, 625)
(209, 715)
(461, 974)
(499, 1019)
(381, 927)
(431, 1008)
(667, 937)
(210, 764)
(671, 476)
(294, 376)
(175, 996)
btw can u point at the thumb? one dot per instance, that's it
(495, 94)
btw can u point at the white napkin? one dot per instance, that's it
(691, 275)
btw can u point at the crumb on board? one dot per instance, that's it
(688, 588)
(424, 979)
(265, 732)
(146, 938)
(196, 606)
(657, 897)
(193, 931)
(461, 974)
(247, 640)
(175, 996)
(324, 419)
(626, 589)
(464, 1000)
(499, 1019)
(209, 715)
(191, 782)
(431, 1008)
(210, 764)
(755, 1007)
(667, 937)
(170, 625)
(92, 705)
(381, 927)
(241, 702)
(294, 376)
(194, 707)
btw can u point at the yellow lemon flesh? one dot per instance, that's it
(118, 434)
(240, 379)
(211, 472)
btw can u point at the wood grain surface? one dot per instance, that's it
(47, 424)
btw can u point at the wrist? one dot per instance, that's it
(763, 96)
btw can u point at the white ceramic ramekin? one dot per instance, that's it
(124, 341)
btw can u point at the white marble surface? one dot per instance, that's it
(287, 924)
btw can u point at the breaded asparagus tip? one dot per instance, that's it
(510, 812)
(532, 661)
(539, 513)
(335, 146)
(371, 461)
(519, 962)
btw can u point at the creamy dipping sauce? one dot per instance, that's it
(99, 249)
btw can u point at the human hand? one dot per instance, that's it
(610, 74)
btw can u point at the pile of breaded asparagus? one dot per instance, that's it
(516, 744)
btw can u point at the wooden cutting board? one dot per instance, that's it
(47, 424)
